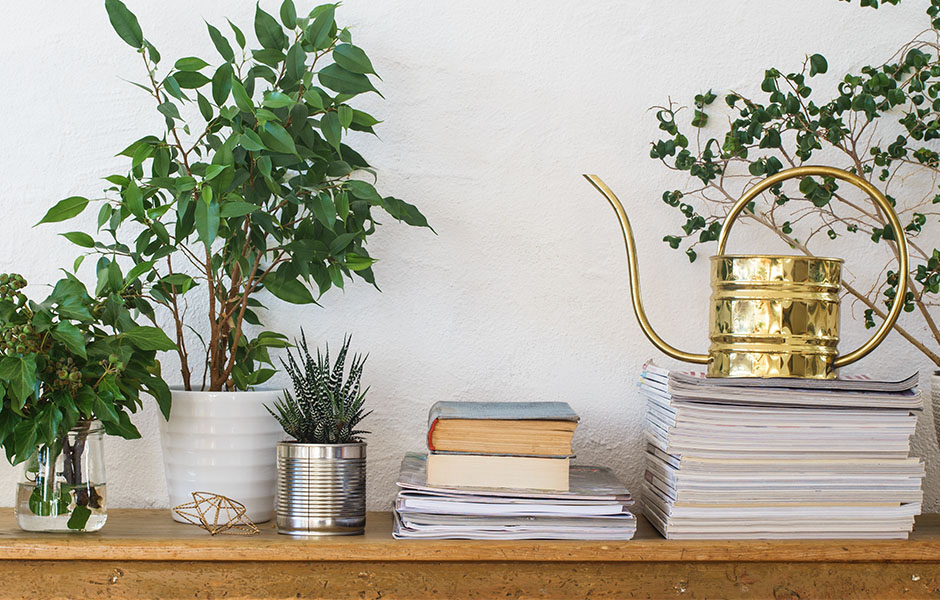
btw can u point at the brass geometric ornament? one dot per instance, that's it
(217, 514)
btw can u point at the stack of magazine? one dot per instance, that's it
(780, 458)
(595, 507)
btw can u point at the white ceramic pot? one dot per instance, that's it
(222, 443)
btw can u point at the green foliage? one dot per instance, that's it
(789, 123)
(70, 359)
(259, 192)
(326, 407)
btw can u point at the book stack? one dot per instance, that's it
(780, 458)
(501, 470)
(500, 444)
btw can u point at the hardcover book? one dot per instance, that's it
(536, 429)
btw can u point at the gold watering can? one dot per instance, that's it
(771, 316)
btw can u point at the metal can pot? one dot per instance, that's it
(321, 488)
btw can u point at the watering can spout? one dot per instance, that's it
(634, 278)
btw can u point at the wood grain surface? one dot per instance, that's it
(135, 534)
(144, 554)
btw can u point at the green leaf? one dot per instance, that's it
(167, 109)
(336, 275)
(260, 376)
(277, 139)
(237, 209)
(288, 14)
(250, 140)
(318, 32)
(20, 374)
(205, 109)
(268, 30)
(207, 221)
(242, 99)
(64, 210)
(190, 63)
(344, 81)
(71, 337)
(332, 129)
(85, 401)
(817, 64)
(345, 114)
(288, 290)
(222, 83)
(401, 210)
(172, 87)
(79, 238)
(123, 428)
(313, 98)
(364, 191)
(137, 270)
(355, 262)
(295, 63)
(152, 52)
(79, 518)
(221, 44)
(213, 171)
(342, 241)
(134, 199)
(105, 411)
(115, 278)
(352, 58)
(323, 209)
(148, 338)
(277, 100)
(190, 80)
(239, 36)
(124, 23)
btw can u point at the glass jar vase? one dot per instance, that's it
(62, 486)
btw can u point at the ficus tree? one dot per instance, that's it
(249, 187)
(882, 123)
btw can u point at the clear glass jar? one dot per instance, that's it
(62, 487)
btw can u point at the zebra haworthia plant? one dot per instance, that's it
(249, 187)
(326, 407)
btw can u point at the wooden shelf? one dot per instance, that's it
(143, 553)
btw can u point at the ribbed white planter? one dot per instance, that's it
(222, 443)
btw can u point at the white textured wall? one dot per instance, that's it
(493, 110)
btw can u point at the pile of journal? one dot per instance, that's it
(780, 458)
(502, 470)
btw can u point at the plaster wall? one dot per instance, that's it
(492, 111)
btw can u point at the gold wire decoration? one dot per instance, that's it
(217, 514)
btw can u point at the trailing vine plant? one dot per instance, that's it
(250, 187)
(882, 123)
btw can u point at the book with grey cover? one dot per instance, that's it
(503, 411)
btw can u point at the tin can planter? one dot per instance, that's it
(321, 488)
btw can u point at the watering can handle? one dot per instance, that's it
(885, 207)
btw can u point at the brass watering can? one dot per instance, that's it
(771, 316)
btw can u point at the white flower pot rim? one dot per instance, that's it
(179, 390)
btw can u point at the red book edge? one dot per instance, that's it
(430, 433)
